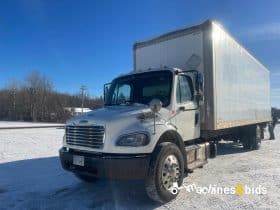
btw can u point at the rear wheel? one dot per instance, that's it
(86, 178)
(213, 150)
(251, 137)
(166, 173)
(257, 133)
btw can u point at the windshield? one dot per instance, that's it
(141, 88)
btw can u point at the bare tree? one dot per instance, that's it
(34, 99)
(39, 89)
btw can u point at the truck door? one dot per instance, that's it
(187, 114)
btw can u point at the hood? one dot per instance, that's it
(110, 113)
(117, 121)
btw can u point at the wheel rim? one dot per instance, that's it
(170, 171)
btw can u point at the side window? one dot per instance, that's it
(122, 93)
(184, 90)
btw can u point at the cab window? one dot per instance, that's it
(122, 94)
(184, 92)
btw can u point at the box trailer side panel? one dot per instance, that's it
(242, 87)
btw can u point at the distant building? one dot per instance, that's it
(74, 111)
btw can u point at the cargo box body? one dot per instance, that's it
(236, 85)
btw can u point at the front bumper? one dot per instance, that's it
(112, 166)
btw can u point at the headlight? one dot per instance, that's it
(133, 140)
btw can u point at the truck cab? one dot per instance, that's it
(145, 113)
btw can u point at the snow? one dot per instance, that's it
(13, 124)
(31, 178)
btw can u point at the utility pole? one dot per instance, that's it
(14, 103)
(83, 89)
(12, 110)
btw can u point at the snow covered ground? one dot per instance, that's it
(13, 124)
(31, 178)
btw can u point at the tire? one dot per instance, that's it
(157, 181)
(86, 178)
(262, 127)
(246, 143)
(213, 150)
(257, 138)
(251, 138)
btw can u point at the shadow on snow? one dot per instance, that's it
(43, 184)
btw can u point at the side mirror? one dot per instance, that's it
(199, 88)
(106, 91)
(198, 97)
(155, 105)
(199, 82)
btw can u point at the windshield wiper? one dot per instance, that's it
(124, 102)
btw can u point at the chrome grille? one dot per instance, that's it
(85, 136)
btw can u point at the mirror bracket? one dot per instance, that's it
(155, 106)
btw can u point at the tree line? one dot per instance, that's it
(35, 99)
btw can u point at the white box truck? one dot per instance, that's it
(188, 90)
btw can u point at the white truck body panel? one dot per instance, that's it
(242, 88)
(237, 86)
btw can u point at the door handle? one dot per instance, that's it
(182, 108)
(196, 118)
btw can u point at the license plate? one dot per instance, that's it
(78, 160)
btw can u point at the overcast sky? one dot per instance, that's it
(90, 42)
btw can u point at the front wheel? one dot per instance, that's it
(166, 173)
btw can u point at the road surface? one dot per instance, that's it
(31, 178)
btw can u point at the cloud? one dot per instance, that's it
(263, 31)
(275, 97)
(274, 79)
(275, 74)
(275, 91)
